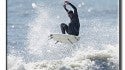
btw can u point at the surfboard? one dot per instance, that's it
(63, 38)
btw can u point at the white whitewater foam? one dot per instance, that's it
(15, 63)
(81, 60)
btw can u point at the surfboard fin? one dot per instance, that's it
(56, 42)
(50, 37)
(70, 41)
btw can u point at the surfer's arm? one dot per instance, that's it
(75, 9)
(65, 8)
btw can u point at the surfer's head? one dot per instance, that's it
(70, 13)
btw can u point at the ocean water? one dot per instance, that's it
(30, 22)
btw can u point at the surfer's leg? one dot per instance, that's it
(64, 28)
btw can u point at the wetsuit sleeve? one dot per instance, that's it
(75, 9)
(65, 8)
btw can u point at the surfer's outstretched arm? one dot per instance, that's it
(65, 8)
(75, 9)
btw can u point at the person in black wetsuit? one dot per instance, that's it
(74, 25)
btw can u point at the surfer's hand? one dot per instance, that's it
(67, 2)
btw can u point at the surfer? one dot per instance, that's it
(74, 25)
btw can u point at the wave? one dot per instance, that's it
(107, 59)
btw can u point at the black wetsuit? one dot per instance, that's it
(74, 25)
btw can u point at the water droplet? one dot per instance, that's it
(12, 26)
